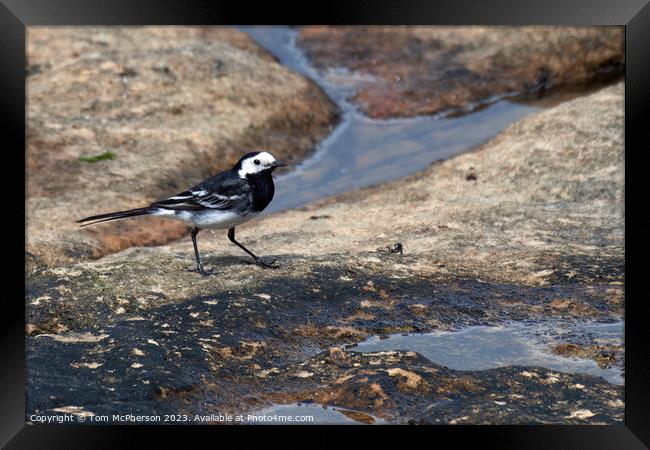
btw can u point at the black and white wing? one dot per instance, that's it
(217, 193)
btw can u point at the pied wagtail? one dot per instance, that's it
(226, 200)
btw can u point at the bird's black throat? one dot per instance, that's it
(263, 189)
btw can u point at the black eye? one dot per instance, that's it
(257, 162)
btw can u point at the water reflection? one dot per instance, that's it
(521, 344)
(311, 414)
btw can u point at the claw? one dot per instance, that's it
(205, 273)
(202, 271)
(274, 264)
(268, 265)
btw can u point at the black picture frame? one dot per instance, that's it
(15, 15)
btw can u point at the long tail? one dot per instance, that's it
(114, 216)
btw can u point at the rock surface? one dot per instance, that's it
(406, 71)
(404, 387)
(120, 117)
(527, 227)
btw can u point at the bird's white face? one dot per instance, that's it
(258, 163)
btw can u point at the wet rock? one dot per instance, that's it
(537, 236)
(225, 344)
(117, 118)
(604, 355)
(358, 416)
(404, 387)
(407, 71)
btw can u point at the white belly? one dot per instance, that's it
(208, 219)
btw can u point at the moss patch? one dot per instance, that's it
(101, 157)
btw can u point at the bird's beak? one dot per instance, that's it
(278, 164)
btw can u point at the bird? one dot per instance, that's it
(224, 201)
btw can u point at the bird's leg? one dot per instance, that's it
(199, 266)
(258, 260)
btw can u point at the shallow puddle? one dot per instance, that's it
(311, 414)
(361, 151)
(521, 344)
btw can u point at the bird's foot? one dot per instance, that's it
(201, 270)
(270, 263)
